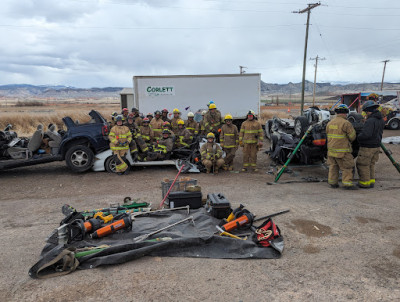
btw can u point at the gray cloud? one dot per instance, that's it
(104, 43)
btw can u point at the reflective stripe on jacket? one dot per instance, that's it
(340, 133)
(251, 132)
(229, 136)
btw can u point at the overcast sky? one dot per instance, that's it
(99, 43)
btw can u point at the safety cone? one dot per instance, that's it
(288, 109)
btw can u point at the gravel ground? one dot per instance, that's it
(339, 245)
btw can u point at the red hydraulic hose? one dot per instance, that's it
(170, 188)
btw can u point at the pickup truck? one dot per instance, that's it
(77, 145)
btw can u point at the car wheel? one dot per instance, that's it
(110, 164)
(79, 158)
(300, 125)
(394, 124)
(354, 117)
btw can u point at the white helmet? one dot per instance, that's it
(190, 114)
(203, 112)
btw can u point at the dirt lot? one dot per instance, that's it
(339, 245)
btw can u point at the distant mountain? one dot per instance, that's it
(56, 92)
(267, 89)
(324, 88)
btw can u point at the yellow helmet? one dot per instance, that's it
(212, 106)
(210, 135)
(228, 117)
(181, 122)
(176, 110)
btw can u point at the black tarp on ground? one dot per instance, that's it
(188, 240)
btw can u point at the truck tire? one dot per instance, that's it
(394, 124)
(110, 164)
(79, 158)
(354, 117)
(300, 126)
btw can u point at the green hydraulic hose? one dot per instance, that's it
(389, 155)
(292, 154)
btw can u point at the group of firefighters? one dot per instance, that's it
(155, 137)
(341, 134)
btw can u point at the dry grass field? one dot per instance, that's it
(26, 118)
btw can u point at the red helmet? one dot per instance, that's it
(146, 120)
(165, 110)
(165, 124)
(131, 116)
(125, 109)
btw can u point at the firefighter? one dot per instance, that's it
(156, 125)
(211, 154)
(369, 140)
(202, 124)
(183, 139)
(167, 126)
(162, 148)
(340, 134)
(250, 138)
(113, 116)
(175, 119)
(146, 132)
(229, 141)
(150, 116)
(138, 119)
(120, 138)
(192, 125)
(137, 140)
(164, 115)
(212, 120)
(125, 113)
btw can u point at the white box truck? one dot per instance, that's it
(232, 93)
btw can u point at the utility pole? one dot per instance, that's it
(308, 10)
(241, 69)
(315, 76)
(383, 75)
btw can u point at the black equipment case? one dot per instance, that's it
(218, 205)
(181, 199)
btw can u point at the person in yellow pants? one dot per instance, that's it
(250, 138)
(229, 141)
(120, 138)
(340, 134)
(211, 155)
(370, 140)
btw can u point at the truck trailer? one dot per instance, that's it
(232, 93)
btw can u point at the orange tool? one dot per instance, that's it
(245, 218)
(126, 222)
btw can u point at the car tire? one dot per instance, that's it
(394, 124)
(110, 164)
(79, 158)
(354, 117)
(300, 126)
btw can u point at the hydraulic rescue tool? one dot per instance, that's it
(292, 154)
(126, 222)
(389, 155)
(244, 217)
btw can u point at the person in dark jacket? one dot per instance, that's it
(369, 140)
